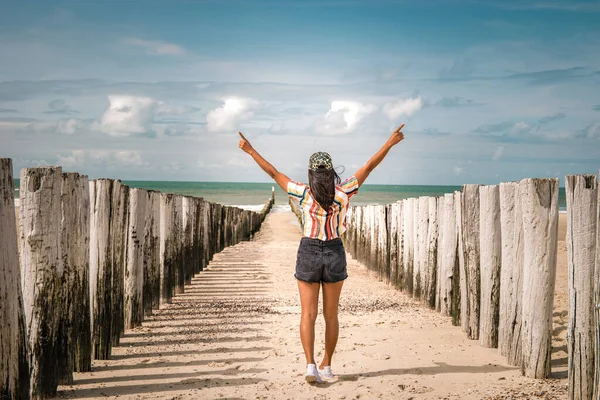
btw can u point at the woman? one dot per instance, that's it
(321, 256)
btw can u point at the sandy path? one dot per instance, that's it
(234, 334)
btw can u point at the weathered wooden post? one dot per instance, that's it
(374, 232)
(393, 241)
(597, 302)
(178, 242)
(540, 230)
(118, 236)
(582, 208)
(75, 334)
(167, 247)
(14, 364)
(198, 239)
(400, 245)
(206, 233)
(511, 274)
(470, 240)
(461, 317)
(101, 266)
(490, 245)
(409, 244)
(422, 260)
(438, 262)
(134, 273)
(416, 283)
(151, 291)
(365, 252)
(188, 224)
(382, 244)
(41, 273)
(449, 274)
(219, 227)
(432, 254)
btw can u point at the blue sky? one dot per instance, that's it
(490, 91)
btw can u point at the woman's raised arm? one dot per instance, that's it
(363, 172)
(280, 178)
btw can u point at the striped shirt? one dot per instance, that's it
(317, 222)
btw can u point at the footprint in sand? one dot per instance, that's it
(216, 364)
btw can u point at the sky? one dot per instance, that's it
(490, 91)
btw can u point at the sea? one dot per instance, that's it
(252, 196)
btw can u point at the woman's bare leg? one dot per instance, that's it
(309, 302)
(331, 299)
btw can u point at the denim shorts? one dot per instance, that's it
(321, 261)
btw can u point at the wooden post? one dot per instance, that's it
(393, 241)
(458, 280)
(134, 273)
(540, 230)
(438, 262)
(463, 311)
(449, 250)
(167, 247)
(151, 291)
(432, 254)
(206, 215)
(101, 266)
(189, 219)
(383, 251)
(365, 250)
(597, 302)
(374, 231)
(119, 253)
(511, 274)
(41, 256)
(470, 240)
(14, 364)
(75, 335)
(198, 235)
(490, 252)
(400, 245)
(416, 292)
(178, 242)
(409, 244)
(422, 260)
(582, 208)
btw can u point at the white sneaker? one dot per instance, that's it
(326, 373)
(312, 374)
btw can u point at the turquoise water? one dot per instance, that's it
(243, 194)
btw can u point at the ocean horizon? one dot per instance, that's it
(253, 195)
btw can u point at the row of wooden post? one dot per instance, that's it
(450, 252)
(96, 257)
(486, 257)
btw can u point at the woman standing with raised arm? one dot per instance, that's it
(321, 255)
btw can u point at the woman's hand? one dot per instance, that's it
(245, 144)
(397, 136)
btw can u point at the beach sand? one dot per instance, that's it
(234, 334)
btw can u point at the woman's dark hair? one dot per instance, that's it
(322, 185)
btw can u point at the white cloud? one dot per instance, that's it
(403, 107)
(458, 170)
(344, 117)
(102, 158)
(128, 115)
(156, 47)
(69, 126)
(229, 116)
(132, 115)
(498, 153)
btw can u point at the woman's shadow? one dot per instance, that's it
(440, 368)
